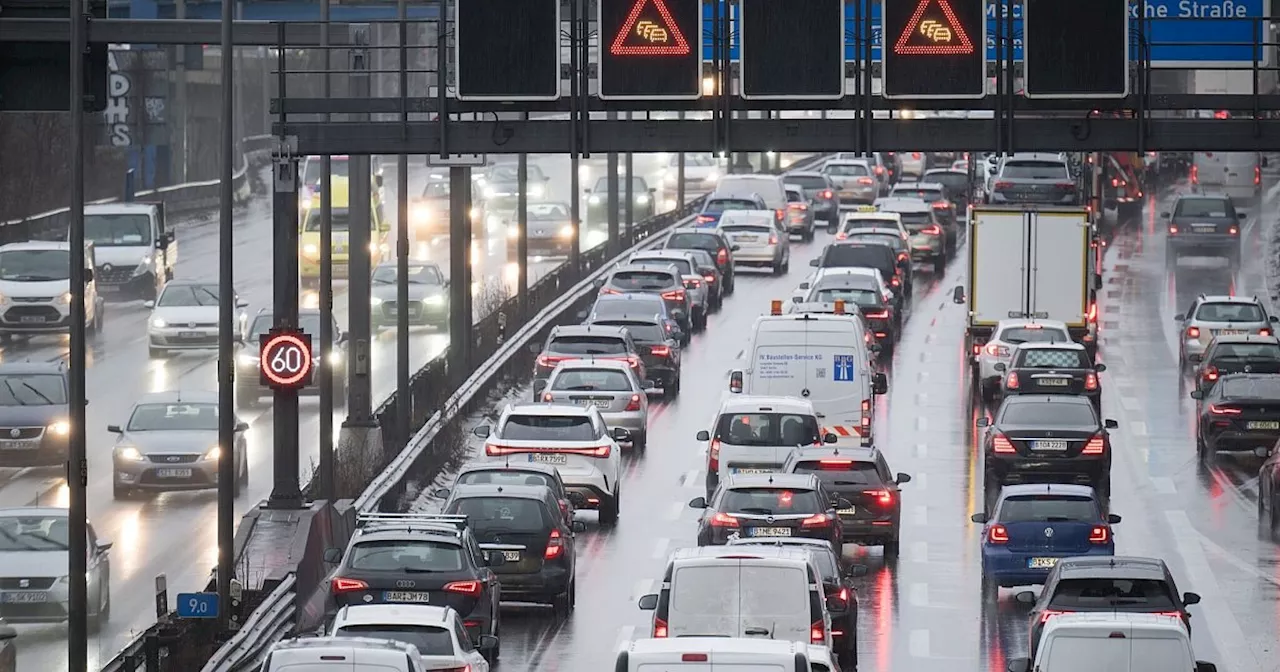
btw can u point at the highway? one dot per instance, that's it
(175, 533)
(924, 611)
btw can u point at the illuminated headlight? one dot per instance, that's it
(144, 265)
(584, 172)
(130, 454)
(335, 358)
(713, 175)
(566, 231)
(159, 323)
(475, 214)
(437, 300)
(513, 231)
(490, 192)
(664, 157)
(311, 250)
(65, 298)
(212, 454)
(785, 162)
(536, 191)
(421, 213)
(594, 200)
(247, 360)
(642, 199)
(375, 301)
(60, 428)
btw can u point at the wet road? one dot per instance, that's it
(924, 611)
(175, 533)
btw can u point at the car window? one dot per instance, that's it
(549, 428)
(35, 265)
(808, 181)
(637, 185)
(189, 295)
(851, 256)
(1034, 170)
(770, 501)
(438, 189)
(1269, 351)
(399, 555)
(1203, 207)
(724, 204)
(1016, 335)
(117, 230)
(1053, 359)
(684, 266)
(840, 472)
(549, 211)
(340, 219)
(588, 345)
(926, 195)
(916, 220)
(826, 562)
(591, 380)
(732, 229)
(1107, 592)
(308, 322)
(954, 181)
(893, 240)
(644, 332)
(505, 477)
(464, 638)
(1047, 508)
(430, 640)
(419, 274)
(701, 241)
(641, 279)
(512, 514)
(767, 429)
(1230, 312)
(32, 389)
(34, 533)
(850, 169)
(175, 417)
(338, 167)
(862, 297)
(615, 305)
(1047, 414)
(795, 196)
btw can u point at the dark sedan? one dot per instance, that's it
(1240, 413)
(1203, 225)
(34, 416)
(770, 505)
(861, 476)
(1052, 368)
(821, 192)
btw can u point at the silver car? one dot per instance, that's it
(694, 284)
(170, 442)
(1211, 316)
(756, 434)
(428, 295)
(757, 239)
(855, 181)
(34, 568)
(185, 317)
(611, 386)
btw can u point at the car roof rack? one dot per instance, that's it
(411, 521)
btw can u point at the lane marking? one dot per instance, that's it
(922, 451)
(677, 509)
(1138, 428)
(1129, 404)
(691, 477)
(921, 397)
(1164, 485)
(918, 551)
(921, 424)
(921, 516)
(921, 480)
(660, 548)
(922, 376)
(919, 646)
(918, 595)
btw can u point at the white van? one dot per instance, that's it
(1236, 174)
(341, 654)
(768, 187)
(712, 654)
(823, 359)
(35, 288)
(136, 251)
(1116, 642)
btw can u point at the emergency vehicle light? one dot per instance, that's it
(775, 307)
(839, 307)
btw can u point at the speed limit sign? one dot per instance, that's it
(285, 362)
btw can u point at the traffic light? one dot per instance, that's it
(934, 49)
(36, 76)
(508, 49)
(1076, 48)
(650, 49)
(792, 49)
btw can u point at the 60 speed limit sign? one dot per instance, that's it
(285, 362)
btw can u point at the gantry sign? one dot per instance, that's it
(650, 49)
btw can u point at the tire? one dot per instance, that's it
(939, 265)
(120, 492)
(808, 235)
(891, 548)
(640, 441)
(157, 353)
(609, 510)
(786, 266)
(776, 270)
(990, 591)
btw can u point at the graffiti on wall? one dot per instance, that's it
(137, 97)
(117, 113)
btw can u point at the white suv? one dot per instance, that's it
(756, 434)
(573, 439)
(1212, 316)
(1008, 335)
(35, 289)
(437, 632)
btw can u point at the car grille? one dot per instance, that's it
(117, 275)
(35, 583)
(389, 309)
(44, 313)
(173, 459)
(23, 432)
(32, 299)
(38, 610)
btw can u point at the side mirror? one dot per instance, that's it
(1240, 216)
(698, 503)
(1201, 666)
(586, 191)
(1110, 424)
(104, 546)
(855, 571)
(830, 438)
(735, 248)
(115, 429)
(481, 432)
(88, 275)
(983, 422)
(146, 304)
(1197, 394)
(804, 285)
(539, 386)
(1000, 367)
(535, 348)
(1165, 215)
(704, 435)
(1113, 519)
(653, 190)
(649, 602)
(797, 299)
(1274, 320)
(1019, 665)
(957, 295)
(813, 263)
(333, 555)
(242, 426)
(979, 518)
(497, 559)
(1179, 318)
(578, 526)
(241, 303)
(1025, 597)
(1100, 368)
(440, 492)
(1189, 599)
(7, 633)
(487, 643)
(735, 382)
(1194, 358)
(902, 478)
(620, 434)
(879, 384)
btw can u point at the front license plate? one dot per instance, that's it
(1055, 382)
(190, 334)
(752, 470)
(17, 445)
(1263, 424)
(32, 319)
(1049, 445)
(26, 598)
(511, 556)
(1041, 563)
(545, 458)
(406, 596)
(769, 532)
(173, 473)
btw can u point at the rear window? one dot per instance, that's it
(1103, 593)
(723, 204)
(591, 380)
(549, 428)
(862, 297)
(681, 265)
(394, 555)
(1094, 653)
(1053, 359)
(841, 472)
(1016, 335)
(588, 345)
(1268, 351)
(826, 562)
(1046, 414)
(771, 501)
(1203, 207)
(1230, 312)
(430, 641)
(643, 332)
(746, 228)
(709, 600)
(505, 477)
(808, 181)
(865, 223)
(512, 514)
(849, 256)
(926, 195)
(916, 220)
(697, 241)
(641, 280)
(853, 169)
(1048, 509)
(888, 239)
(954, 181)
(1035, 170)
(436, 190)
(767, 429)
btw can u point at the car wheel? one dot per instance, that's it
(104, 613)
(120, 492)
(640, 441)
(157, 353)
(891, 549)
(939, 265)
(990, 590)
(609, 510)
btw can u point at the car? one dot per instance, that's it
(170, 442)
(338, 654)
(574, 439)
(770, 505)
(35, 281)
(821, 192)
(33, 568)
(36, 422)
(714, 208)
(1269, 490)
(1055, 438)
(864, 254)
(859, 475)
(933, 193)
(429, 213)
(767, 187)
(868, 217)
(1210, 316)
(1115, 584)
(758, 240)
(549, 230)
(642, 197)
(711, 276)
(730, 654)
(185, 317)
(913, 165)
(406, 559)
(1203, 225)
(666, 282)
(504, 472)
(885, 166)
(1052, 368)
(931, 240)
(1032, 527)
(570, 342)
(523, 523)
(1243, 353)
(499, 193)
(249, 388)
(1040, 177)
(713, 242)
(956, 181)
(1241, 412)
(1118, 642)
(864, 287)
(436, 632)
(609, 385)
(894, 240)
(755, 434)
(854, 179)
(659, 348)
(1009, 334)
(800, 218)
(701, 172)
(428, 295)
(694, 284)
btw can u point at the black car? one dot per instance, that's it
(34, 415)
(1237, 354)
(579, 341)
(659, 350)
(713, 242)
(503, 472)
(666, 282)
(249, 387)
(617, 305)
(1240, 413)
(642, 200)
(853, 253)
(861, 476)
(524, 524)
(419, 559)
(1269, 491)
(892, 238)
(1106, 584)
(881, 311)
(1046, 438)
(821, 192)
(1202, 224)
(957, 184)
(1052, 368)
(770, 505)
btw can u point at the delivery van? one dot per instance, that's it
(1236, 174)
(1113, 641)
(712, 654)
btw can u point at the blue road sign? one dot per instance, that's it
(846, 370)
(197, 605)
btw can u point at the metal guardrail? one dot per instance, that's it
(248, 647)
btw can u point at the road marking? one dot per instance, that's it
(926, 356)
(643, 587)
(928, 338)
(918, 595)
(677, 509)
(921, 424)
(922, 376)
(919, 646)
(922, 451)
(691, 478)
(625, 634)
(1130, 404)
(1164, 485)
(1138, 428)
(918, 551)
(921, 516)
(660, 548)
(920, 398)
(921, 481)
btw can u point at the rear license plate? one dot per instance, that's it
(32, 319)
(1041, 563)
(768, 532)
(545, 458)
(1205, 229)
(746, 239)
(173, 473)
(17, 445)
(848, 512)
(1055, 382)
(1229, 332)
(511, 556)
(1263, 424)
(406, 596)
(752, 470)
(598, 403)
(107, 289)
(1049, 445)
(26, 598)
(190, 334)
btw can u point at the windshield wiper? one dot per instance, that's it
(417, 570)
(580, 388)
(38, 393)
(60, 545)
(759, 510)
(14, 393)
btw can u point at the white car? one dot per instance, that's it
(437, 632)
(574, 439)
(913, 164)
(185, 317)
(803, 292)
(610, 386)
(33, 567)
(1008, 335)
(339, 654)
(756, 434)
(757, 240)
(35, 289)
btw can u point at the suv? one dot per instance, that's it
(854, 179)
(714, 208)
(713, 242)
(770, 505)
(35, 281)
(36, 414)
(1246, 353)
(611, 386)
(659, 348)
(1203, 224)
(862, 476)
(930, 240)
(855, 253)
(335, 654)
(695, 285)
(821, 192)
(479, 472)
(1211, 316)
(248, 349)
(755, 434)
(437, 632)
(1239, 413)
(580, 341)
(800, 216)
(933, 193)
(1040, 178)
(665, 282)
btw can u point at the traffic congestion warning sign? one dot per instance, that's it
(935, 49)
(650, 30)
(646, 50)
(933, 29)
(285, 359)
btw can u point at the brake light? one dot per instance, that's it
(998, 534)
(817, 633)
(881, 315)
(660, 350)
(835, 465)
(676, 295)
(341, 585)
(1012, 381)
(1050, 613)
(1193, 332)
(827, 193)
(1003, 185)
(941, 205)
(1195, 174)
(693, 658)
(1096, 446)
(723, 520)
(895, 281)
(882, 497)
(494, 449)
(1173, 229)
(1223, 410)
(844, 595)
(1257, 176)
(609, 290)
(997, 350)
(1233, 230)
(915, 155)
(1100, 534)
(464, 668)
(1091, 381)
(546, 396)
(1211, 374)
(866, 180)
(1002, 444)
(555, 546)
(932, 230)
(902, 256)
(879, 170)
(1115, 182)
(709, 278)
(817, 520)
(842, 235)
(780, 214)
(1092, 315)
(659, 628)
(799, 206)
(1066, 185)
(471, 588)
(633, 361)
(692, 283)
(703, 219)
(1265, 331)
(773, 239)
(713, 456)
(722, 257)
(634, 404)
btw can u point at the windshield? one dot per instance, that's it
(916, 220)
(926, 195)
(431, 641)
(1047, 509)
(588, 345)
(724, 204)
(1203, 207)
(1045, 414)
(807, 181)
(682, 265)
(850, 169)
(118, 230)
(955, 181)
(1102, 593)
(338, 167)
(549, 211)
(591, 380)
(637, 185)
(767, 429)
(35, 265)
(865, 256)
(1053, 359)
(862, 297)
(700, 241)
(1016, 335)
(622, 305)
(641, 280)
(692, 160)
(549, 428)
(512, 514)
(1035, 170)
(341, 219)
(189, 295)
(644, 332)
(419, 274)
(436, 190)
(153, 417)
(34, 533)
(308, 322)
(398, 555)
(505, 477)
(32, 389)
(1267, 351)
(771, 501)
(837, 471)
(1230, 312)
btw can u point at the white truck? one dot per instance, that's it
(136, 251)
(1032, 262)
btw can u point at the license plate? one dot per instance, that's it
(406, 596)
(17, 445)
(752, 470)
(511, 556)
(1205, 229)
(1055, 382)
(1048, 445)
(31, 319)
(339, 248)
(598, 403)
(173, 473)
(769, 532)
(190, 334)
(107, 289)
(746, 239)
(1041, 563)
(545, 458)
(1229, 332)
(26, 598)
(848, 512)
(1263, 424)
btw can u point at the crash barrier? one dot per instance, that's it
(178, 199)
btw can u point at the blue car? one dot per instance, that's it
(1036, 525)
(715, 206)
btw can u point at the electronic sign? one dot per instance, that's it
(285, 359)
(1076, 48)
(507, 49)
(650, 49)
(792, 49)
(934, 49)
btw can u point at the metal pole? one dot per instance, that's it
(611, 201)
(680, 195)
(359, 255)
(324, 293)
(629, 192)
(226, 325)
(77, 467)
(403, 399)
(459, 286)
(178, 168)
(522, 236)
(577, 116)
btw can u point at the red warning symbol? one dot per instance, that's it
(649, 33)
(935, 31)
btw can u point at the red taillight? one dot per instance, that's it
(799, 206)
(879, 170)
(1173, 229)
(1195, 174)
(997, 350)
(817, 520)
(609, 290)
(903, 256)
(1264, 331)
(703, 219)
(1193, 332)
(723, 520)
(881, 315)
(866, 180)
(660, 350)
(827, 193)
(1001, 444)
(341, 585)
(633, 361)
(464, 668)
(713, 456)
(1096, 446)
(546, 396)
(1050, 613)
(1092, 315)
(1257, 176)
(1211, 374)
(1091, 381)
(471, 588)
(634, 404)
(915, 155)
(773, 239)
(709, 278)
(555, 546)
(722, 257)
(659, 628)
(1223, 410)
(1003, 185)
(932, 230)
(842, 235)
(1233, 230)
(941, 205)
(1100, 534)
(895, 281)
(693, 658)
(676, 295)
(1011, 381)
(780, 214)
(882, 497)
(997, 534)
(817, 633)
(844, 595)
(550, 361)
(494, 449)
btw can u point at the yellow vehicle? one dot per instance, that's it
(309, 235)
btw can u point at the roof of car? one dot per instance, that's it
(642, 316)
(773, 480)
(587, 330)
(828, 451)
(904, 204)
(1246, 338)
(873, 230)
(1226, 298)
(1116, 565)
(474, 490)
(711, 552)
(919, 186)
(385, 614)
(627, 268)
(1056, 345)
(179, 397)
(1073, 490)
(750, 402)
(664, 253)
(54, 367)
(1023, 322)
(591, 363)
(507, 465)
(846, 271)
(550, 410)
(693, 229)
(712, 645)
(802, 173)
(1073, 399)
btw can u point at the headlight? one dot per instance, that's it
(566, 231)
(61, 428)
(421, 213)
(65, 298)
(490, 192)
(130, 454)
(375, 301)
(712, 175)
(513, 231)
(475, 213)
(311, 250)
(594, 200)
(213, 454)
(247, 360)
(335, 358)
(437, 300)
(159, 323)
(536, 191)
(642, 199)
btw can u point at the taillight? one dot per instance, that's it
(882, 497)
(1257, 175)
(895, 281)
(723, 520)
(633, 361)
(546, 396)
(997, 350)
(1011, 381)
(1091, 382)
(1096, 446)
(1223, 410)
(1264, 331)
(555, 546)
(722, 257)
(1001, 444)
(773, 239)
(550, 361)
(915, 155)
(932, 230)
(842, 235)
(998, 534)
(677, 295)
(879, 170)
(660, 350)
(844, 595)
(703, 219)
(659, 628)
(1173, 229)
(1092, 315)
(1066, 185)
(1003, 185)
(471, 588)
(713, 456)
(609, 290)
(1100, 534)
(799, 206)
(866, 180)
(817, 633)
(780, 214)
(827, 193)
(634, 404)
(941, 205)
(881, 315)
(709, 278)
(1211, 374)
(1195, 174)
(464, 668)
(341, 585)
(902, 256)
(817, 520)
(1050, 613)
(1193, 332)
